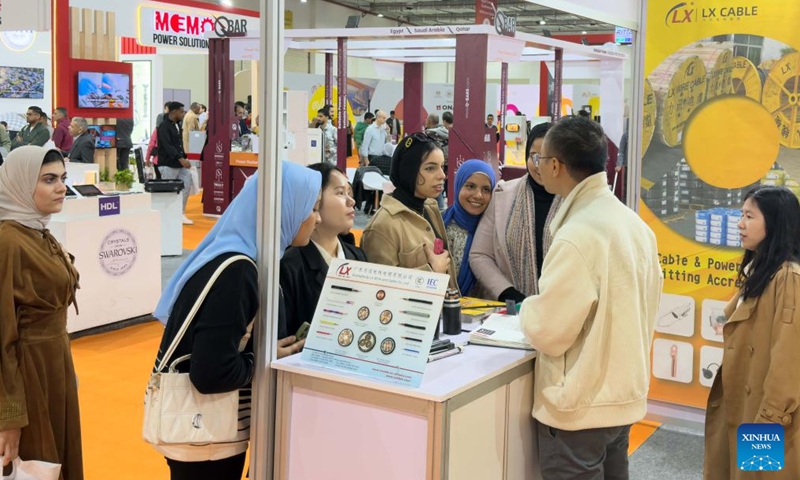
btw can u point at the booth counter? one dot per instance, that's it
(470, 418)
(117, 253)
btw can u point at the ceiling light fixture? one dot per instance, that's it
(380, 15)
(303, 1)
(226, 3)
(584, 32)
(542, 22)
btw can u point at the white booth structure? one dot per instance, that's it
(117, 253)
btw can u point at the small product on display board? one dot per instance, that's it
(376, 321)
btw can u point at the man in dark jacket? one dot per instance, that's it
(83, 146)
(34, 133)
(124, 143)
(172, 162)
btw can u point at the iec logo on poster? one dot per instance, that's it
(760, 447)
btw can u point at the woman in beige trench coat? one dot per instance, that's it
(759, 381)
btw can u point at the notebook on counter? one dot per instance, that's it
(474, 310)
(500, 331)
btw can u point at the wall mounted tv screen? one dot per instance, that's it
(104, 90)
(21, 82)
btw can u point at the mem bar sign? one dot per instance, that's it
(160, 27)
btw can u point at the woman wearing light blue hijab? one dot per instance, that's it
(216, 365)
(474, 185)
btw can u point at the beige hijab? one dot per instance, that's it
(19, 176)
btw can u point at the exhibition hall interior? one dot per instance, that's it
(430, 239)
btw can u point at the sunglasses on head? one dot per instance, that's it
(419, 137)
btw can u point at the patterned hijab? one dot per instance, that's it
(19, 176)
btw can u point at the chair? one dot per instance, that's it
(374, 181)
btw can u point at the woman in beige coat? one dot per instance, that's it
(759, 381)
(513, 236)
(404, 231)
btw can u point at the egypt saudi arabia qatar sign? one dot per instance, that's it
(160, 27)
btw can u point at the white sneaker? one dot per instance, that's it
(186, 221)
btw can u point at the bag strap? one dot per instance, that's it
(196, 307)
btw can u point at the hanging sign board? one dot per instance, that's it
(161, 27)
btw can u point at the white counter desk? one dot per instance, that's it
(118, 256)
(469, 419)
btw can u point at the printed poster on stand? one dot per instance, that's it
(722, 96)
(376, 321)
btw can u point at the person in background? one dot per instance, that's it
(303, 269)
(395, 127)
(349, 138)
(124, 142)
(5, 139)
(191, 123)
(374, 140)
(203, 116)
(404, 231)
(602, 282)
(513, 236)
(84, 143)
(213, 337)
(329, 134)
(757, 381)
(490, 125)
(39, 393)
(475, 181)
(46, 122)
(172, 162)
(447, 120)
(160, 117)
(240, 110)
(61, 136)
(34, 133)
(361, 128)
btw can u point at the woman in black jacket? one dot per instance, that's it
(216, 364)
(303, 269)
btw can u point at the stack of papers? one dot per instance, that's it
(500, 331)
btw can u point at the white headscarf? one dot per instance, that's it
(19, 176)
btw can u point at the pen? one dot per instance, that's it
(412, 339)
(413, 326)
(409, 350)
(448, 353)
(334, 311)
(328, 323)
(416, 300)
(346, 289)
(415, 314)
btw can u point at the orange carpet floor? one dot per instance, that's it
(113, 369)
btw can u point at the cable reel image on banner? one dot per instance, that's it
(722, 126)
(721, 116)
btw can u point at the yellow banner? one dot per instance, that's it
(722, 115)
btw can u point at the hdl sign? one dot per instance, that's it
(109, 206)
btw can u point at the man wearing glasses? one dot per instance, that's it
(593, 319)
(34, 133)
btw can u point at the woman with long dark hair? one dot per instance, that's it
(759, 380)
(406, 229)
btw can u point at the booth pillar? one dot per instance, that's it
(413, 117)
(501, 118)
(216, 171)
(328, 79)
(469, 128)
(341, 117)
(558, 77)
(544, 90)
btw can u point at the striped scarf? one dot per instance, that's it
(521, 239)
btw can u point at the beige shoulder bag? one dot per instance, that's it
(175, 413)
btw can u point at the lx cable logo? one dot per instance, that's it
(687, 13)
(679, 14)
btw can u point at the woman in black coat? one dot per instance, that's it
(303, 269)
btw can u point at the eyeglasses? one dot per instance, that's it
(537, 159)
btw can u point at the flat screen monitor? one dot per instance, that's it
(105, 136)
(87, 190)
(137, 154)
(623, 36)
(104, 90)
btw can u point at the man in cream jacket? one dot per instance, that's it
(592, 322)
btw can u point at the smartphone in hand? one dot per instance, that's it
(302, 332)
(438, 246)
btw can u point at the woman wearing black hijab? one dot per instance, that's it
(405, 231)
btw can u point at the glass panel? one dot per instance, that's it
(142, 99)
